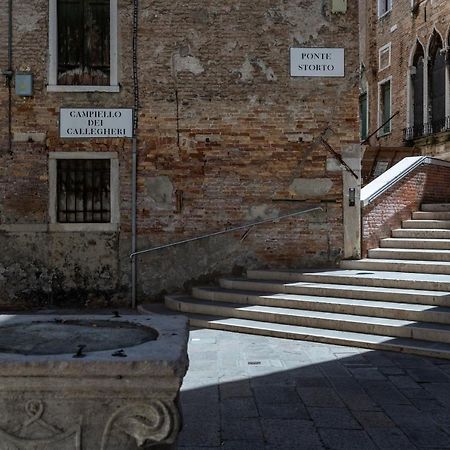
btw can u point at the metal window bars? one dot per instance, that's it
(83, 191)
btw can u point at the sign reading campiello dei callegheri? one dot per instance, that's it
(96, 123)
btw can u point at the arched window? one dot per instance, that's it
(417, 73)
(436, 83)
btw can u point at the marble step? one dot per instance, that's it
(375, 278)
(435, 215)
(416, 254)
(433, 298)
(398, 265)
(342, 305)
(421, 233)
(344, 338)
(435, 224)
(430, 207)
(416, 243)
(316, 319)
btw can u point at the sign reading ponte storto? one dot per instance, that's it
(317, 62)
(95, 123)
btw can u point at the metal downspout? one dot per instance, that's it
(9, 73)
(134, 156)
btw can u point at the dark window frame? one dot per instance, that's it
(84, 42)
(83, 191)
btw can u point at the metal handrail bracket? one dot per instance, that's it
(229, 230)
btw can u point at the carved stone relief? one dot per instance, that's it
(152, 422)
(37, 434)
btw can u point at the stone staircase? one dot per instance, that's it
(396, 299)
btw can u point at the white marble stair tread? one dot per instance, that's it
(401, 265)
(373, 278)
(410, 254)
(376, 325)
(346, 338)
(339, 290)
(415, 243)
(317, 302)
(431, 215)
(393, 310)
(431, 207)
(421, 233)
(413, 223)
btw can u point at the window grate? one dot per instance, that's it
(83, 191)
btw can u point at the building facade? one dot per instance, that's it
(225, 133)
(405, 75)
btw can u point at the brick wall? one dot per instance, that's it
(221, 121)
(427, 184)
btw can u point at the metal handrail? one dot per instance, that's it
(229, 230)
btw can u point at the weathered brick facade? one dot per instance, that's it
(226, 137)
(402, 27)
(426, 184)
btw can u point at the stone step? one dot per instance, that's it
(434, 298)
(435, 224)
(342, 305)
(345, 338)
(416, 254)
(435, 207)
(421, 233)
(435, 215)
(316, 319)
(375, 278)
(398, 265)
(414, 243)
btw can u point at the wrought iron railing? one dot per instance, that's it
(246, 227)
(417, 131)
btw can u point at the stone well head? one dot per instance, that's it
(91, 382)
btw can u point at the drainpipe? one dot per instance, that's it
(134, 156)
(9, 73)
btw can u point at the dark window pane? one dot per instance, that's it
(438, 91)
(83, 191)
(385, 97)
(83, 42)
(417, 80)
(363, 114)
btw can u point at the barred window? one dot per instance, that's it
(83, 42)
(83, 191)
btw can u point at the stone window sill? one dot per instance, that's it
(67, 88)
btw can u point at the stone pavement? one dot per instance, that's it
(254, 392)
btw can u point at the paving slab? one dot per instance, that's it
(301, 395)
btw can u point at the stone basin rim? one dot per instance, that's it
(34, 336)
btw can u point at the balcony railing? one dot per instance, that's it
(418, 131)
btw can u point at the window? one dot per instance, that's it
(384, 57)
(83, 45)
(384, 6)
(83, 191)
(363, 115)
(384, 108)
(436, 79)
(417, 80)
(83, 42)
